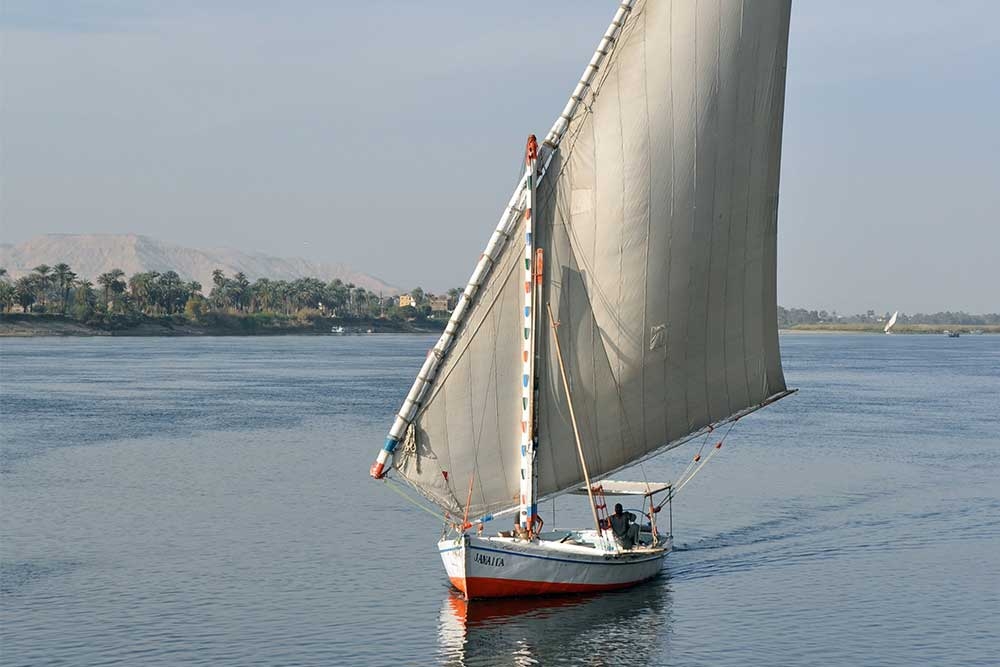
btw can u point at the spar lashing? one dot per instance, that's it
(528, 485)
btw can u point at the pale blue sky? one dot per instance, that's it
(388, 134)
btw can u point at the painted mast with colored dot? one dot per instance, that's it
(529, 499)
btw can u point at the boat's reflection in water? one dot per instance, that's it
(629, 627)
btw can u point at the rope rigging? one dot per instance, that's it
(697, 463)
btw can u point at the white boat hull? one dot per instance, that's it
(489, 567)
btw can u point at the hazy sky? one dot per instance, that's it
(388, 135)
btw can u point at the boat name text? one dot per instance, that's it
(493, 561)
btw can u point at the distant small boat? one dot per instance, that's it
(338, 330)
(892, 320)
(951, 334)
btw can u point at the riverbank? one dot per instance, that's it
(213, 324)
(898, 329)
(228, 324)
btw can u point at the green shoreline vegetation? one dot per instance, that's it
(800, 319)
(54, 301)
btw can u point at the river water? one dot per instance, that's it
(205, 501)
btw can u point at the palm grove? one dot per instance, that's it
(58, 289)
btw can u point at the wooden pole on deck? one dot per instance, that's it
(572, 416)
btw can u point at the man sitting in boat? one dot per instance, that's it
(534, 528)
(623, 528)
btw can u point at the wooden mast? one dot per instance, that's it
(528, 487)
(572, 416)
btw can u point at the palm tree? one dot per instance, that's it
(190, 290)
(140, 285)
(84, 298)
(219, 296)
(24, 292)
(42, 281)
(171, 291)
(6, 296)
(64, 279)
(283, 294)
(360, 301)
(453, 294)
(338, 296)
(261, 295)
(111, 282)
(240, 291)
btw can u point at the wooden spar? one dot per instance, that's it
(604, 47)
(572, 416)
(413, 401)
(468, 503)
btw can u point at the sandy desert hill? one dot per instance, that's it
(92, 254)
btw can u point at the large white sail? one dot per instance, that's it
(657, 217)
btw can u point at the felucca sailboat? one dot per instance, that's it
(624, 305)
(891, 322)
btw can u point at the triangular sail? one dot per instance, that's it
(657, 216)
(469, 424)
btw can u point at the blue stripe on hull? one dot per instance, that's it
(560, 560)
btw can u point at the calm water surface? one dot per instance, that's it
(206, 502)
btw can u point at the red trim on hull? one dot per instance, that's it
(458, 583)
(488, 587)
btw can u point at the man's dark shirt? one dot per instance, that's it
(619, 524)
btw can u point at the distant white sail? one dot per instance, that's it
(658, 220)
(892, 321)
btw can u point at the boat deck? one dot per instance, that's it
(581, 542)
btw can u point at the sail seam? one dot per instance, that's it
(728, 209)
(622, 416)
(649, 218)
(693, 227)
(711, 227)
(668, 390)
(746, 235)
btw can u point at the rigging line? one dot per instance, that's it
(394, 487)
(683, 440)
(681, 481)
